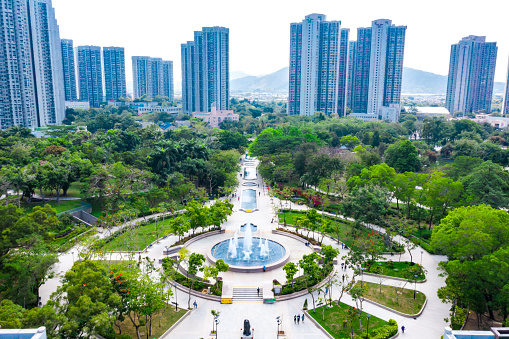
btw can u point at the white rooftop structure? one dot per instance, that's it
(429, 112)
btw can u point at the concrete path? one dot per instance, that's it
(263, 316)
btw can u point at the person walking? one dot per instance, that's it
(298, 320)
(303, 318)
(295, 319)
(258, 291)
(403, 328)
(342, 266)
(343, 278)
(195, 304)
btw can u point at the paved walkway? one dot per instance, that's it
(263, 316)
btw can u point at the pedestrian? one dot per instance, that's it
(342, 246)
(342, 265)
(195, 304)
(343, 278)
(258, 291)
(239, 198)
(326, 290)
(303, 318)
(259, 193)
(403, 328)
(272, 221)
(298, 320)
(264, 269)
(294, 319)
(319, 292)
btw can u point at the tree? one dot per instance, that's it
(195, 264)
(220, 212)
(350, 141)
(11, 315)
(227, 140)
(489, 183)
(366, 204)
(199, 215)
(179, 226)
(403, 156)
(309, 264)
(215, 315)
(290, 270)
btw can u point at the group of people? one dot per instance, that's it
(296, 318)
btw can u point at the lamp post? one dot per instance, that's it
(216, 320)
(415, 286)
(72, 257)
(279, 322)
(175, 297)
(421, 257)
(369, 316)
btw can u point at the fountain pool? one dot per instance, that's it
(249, 184)
(250, 173)
(262, 252)
(248, 200)
(253, 228)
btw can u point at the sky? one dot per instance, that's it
(260, 30)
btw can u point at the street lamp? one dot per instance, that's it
(415, 286)
(217, 323)
(279, 322)
(72, 257)
(175, 297)
(421, 257)
(369, 316)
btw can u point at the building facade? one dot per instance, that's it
(206, 70)
(114, 73)
(90, 75)
(152, 77)
(69, 70)
(505, 109)
(31, 78)
(471, 75)
(376, 67)
(215, 117)
(168, 90)
(318, 66)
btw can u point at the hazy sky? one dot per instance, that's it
(259, 30)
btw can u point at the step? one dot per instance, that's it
(247, 293)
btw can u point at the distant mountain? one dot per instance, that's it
(238, 74)
(276, 82)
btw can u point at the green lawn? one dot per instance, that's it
(401, 300)
(343, 232)
(138, 238)
(396, 269)
(336, 315)
(59, 207)
(166, 319)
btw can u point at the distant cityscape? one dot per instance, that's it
(42, 74)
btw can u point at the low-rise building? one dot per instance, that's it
(497, 122)
(37, 333)
(495, 333)
(389, 113)
(216, 117)
(77, 104)
(167, 109)
(429, 112)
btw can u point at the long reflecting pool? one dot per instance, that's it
(249, 173)
(248, 200)
(249, 184)
(261, 252)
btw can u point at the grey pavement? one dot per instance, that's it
(263, 316)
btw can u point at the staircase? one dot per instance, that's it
(247, 294)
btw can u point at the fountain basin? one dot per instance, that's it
(254, 228)
(248, 200)
(277, 257)
(250, 184)
(249, 173)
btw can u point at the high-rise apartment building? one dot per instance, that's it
(152, 77)
(69, 70)
(31, 79)
(376, 67)
(318, 66)
(168, 90)
(505, 110)
(90, 75)
(206, 70)
(114, 73)
(471, 75)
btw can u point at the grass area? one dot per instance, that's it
(73, 191)
(60, 207)
(139, 238)
(395, 269)
(401, 300)
(343, 232)
(336, 315)
(161, 322)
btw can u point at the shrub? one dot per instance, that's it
(459, 318)
(305, 304)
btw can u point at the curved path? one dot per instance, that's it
(263, 316)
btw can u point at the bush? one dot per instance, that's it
(459, 318)
(305, 304)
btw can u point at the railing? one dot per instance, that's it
(84, 206)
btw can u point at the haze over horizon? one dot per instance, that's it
(259, 34)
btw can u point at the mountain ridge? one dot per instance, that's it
(414, 82)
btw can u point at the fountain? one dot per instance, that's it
(232, 250)
(248, 243)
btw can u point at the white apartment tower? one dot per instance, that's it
(318, 66)
(31, 78)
